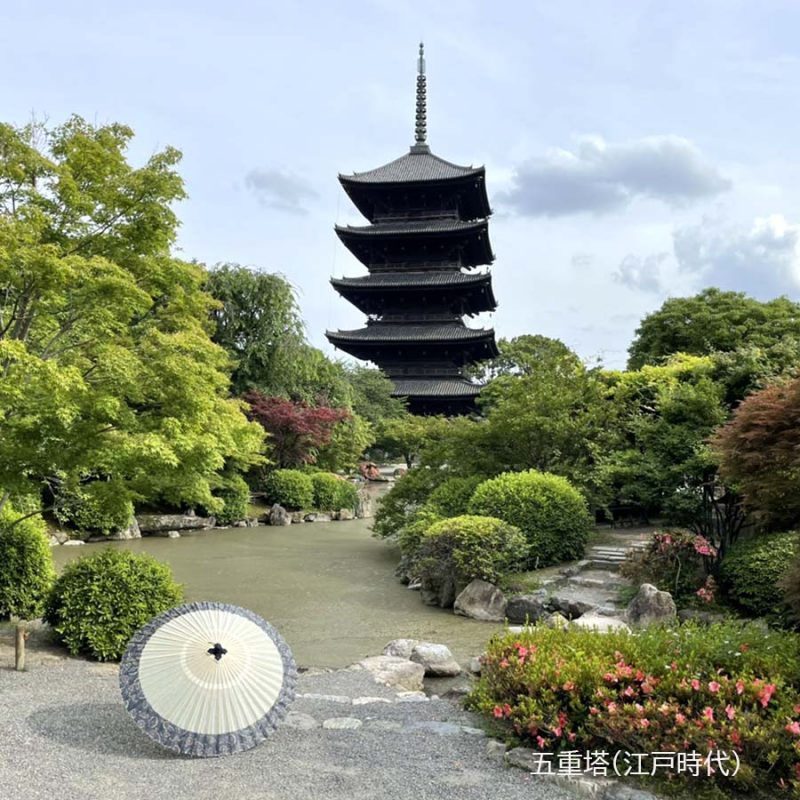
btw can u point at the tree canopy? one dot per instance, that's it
(108, 368)
(713, 321)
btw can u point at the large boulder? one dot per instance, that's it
(345, 514)
(278, 515)
(481, 600)
(602, 624)
(651, 606)
(401, 648)
(395, 672)
(364, 507)
(527, 607)
(156, 523)
(131, 532)
(436, 659)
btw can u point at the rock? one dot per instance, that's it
(400, 648)
(475, 665)
(297, 517)
(651, 606)
(703, 617)
(240, 523)
(481, 600)
(557, 621)
(495, 749)
(438, 590)
(384, 725)
(342, 723)
(471, 731)
(434, 726)
(414, 585)
(524, 758)
(436, 659)
(317, 517)
(457, 693)
(278, 515)
(166, 534)
(367, 701)
(527, 607)
(412, 697)
(60, 536)
(53, 541)
(303, 722)
(621, 792)
(173, 535)
(600, 623)
(73, 542)
(345, 514)
(364, 507)
(570, 603)
(398, 673)
(150, 524)
(131, 532)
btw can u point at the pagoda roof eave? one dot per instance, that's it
(419, 165)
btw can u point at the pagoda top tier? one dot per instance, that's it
(419, 182)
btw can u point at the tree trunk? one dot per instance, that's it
(19, 646)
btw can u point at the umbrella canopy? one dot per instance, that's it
(207, 679)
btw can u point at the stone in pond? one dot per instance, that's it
(436, 659)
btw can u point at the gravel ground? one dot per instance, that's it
(64, 735)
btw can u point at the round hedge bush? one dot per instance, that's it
(100, 601)
(97, 508)
(455, 551)
(547, 508)
(26, 566)
(451, 498)
(289, 488)
(332, 493)
(751, 573)
(235, 496)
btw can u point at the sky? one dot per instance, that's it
(634, 150)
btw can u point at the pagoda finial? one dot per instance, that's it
(421, 121)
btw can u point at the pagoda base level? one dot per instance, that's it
(445, 406)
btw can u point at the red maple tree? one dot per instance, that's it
(759, 452)
(297, 430)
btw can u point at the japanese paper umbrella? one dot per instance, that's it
(207, 679)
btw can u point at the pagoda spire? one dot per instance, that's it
(420, 128)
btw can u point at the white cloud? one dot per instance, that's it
(600, 177)
(761, 258)
(642, 273)
(280, 189)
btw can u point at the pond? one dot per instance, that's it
(329, 588)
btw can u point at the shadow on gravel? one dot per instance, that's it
(99, 728)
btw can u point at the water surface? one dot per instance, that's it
(329, 588)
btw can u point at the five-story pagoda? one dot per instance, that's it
(426, 241)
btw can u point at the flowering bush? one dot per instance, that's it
(675, 562)
(696, 688)
(751, 573)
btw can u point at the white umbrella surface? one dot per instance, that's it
(207, 679)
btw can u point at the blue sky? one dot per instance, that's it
(634, 150)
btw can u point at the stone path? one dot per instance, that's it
(66, 735)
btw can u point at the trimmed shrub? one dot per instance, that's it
(235, 496)
(454, 551)
(289, 488)
(752, 571)
(672, 562)
(26, 566)
(727, 687)
(96, 508)
(790, 583)
(398, 506)
(547, 508)
(451, 498)
(100, 601)
(332, 493)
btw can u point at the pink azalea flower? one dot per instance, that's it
(708, 713)
(506, 710)
(568, 686)
(739, 687)
(541, 742)
(793, 727)
(765, 695)
(498, 712)
(730, 711)
(504, 663)
(696, 685)
(645, 723)
(713, 687)
(680, 718)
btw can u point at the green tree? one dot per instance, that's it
(108, 368)
(712, 321)
(408, 435)
(372, 394)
